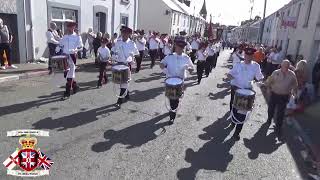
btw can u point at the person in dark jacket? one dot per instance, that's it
(316, 76)
(96, 44)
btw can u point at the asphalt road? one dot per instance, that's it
(91, 139)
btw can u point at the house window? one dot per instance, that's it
(307, 18)
(174, 19)
(178, 23)
(124, 19)
(62, 16)
(298, 48)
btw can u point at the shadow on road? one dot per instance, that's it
(151, 77)
(133, 136)
(16, 108)
(213, 155)
(74, 120)
(221, 94)
(261, 143)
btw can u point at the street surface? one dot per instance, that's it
(91, 139)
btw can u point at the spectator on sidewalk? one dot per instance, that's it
(96, 44)
(281, 83)
(53, 39)
(259, 56)
(91, 37)
(5, 45)
(316, 77)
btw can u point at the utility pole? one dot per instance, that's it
(263, 22)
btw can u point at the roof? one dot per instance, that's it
(173, 6)
(183, 7)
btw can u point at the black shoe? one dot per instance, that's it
(118, 105)
(170, 122)
(65, 96)
(236, 137)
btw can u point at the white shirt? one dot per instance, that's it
(210, 50)
(161, 44)
(52, 37)
(271, 56)
(195, 44)
(71, 43)
(154, 43)
(167, 49)
(176, 65)
(125, 51)
(141, 44)
(104, 54)
(277, 58)
(243, 74)
(236, 58)
(201, 55)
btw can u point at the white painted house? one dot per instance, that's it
(169, 16)
(31, 23)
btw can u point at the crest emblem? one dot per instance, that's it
(28, 158)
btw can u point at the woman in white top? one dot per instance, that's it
(201, 60)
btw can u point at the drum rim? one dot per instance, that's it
(247, 90)
(122, 65)
(59, 57)
(172, 78)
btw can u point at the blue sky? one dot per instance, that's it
(231, 12)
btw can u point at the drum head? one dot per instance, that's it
(245, 92)
(174, 81)
(120, 67)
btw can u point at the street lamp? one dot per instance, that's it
(263, 22)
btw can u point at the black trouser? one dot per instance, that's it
(84, 53)
(161, 54)
(174, 105)
(193, 55)
(215, 59)
(200, 68)
(102, 73)
(5, 47)
(279, 103)
(139, 60)
(71, 84)
(52, 52)
(122, 91)
(209, 64)
(153, 56)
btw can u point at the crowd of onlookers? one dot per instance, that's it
(270, 59)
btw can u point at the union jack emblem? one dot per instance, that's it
(28, 159)
(44, 161)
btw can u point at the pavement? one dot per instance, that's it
(30, 70)
(91, 139)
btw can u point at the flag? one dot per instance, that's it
(12, 161)
(43, 161)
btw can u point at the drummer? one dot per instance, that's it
(71, 43)
(242, 75)
(125, 49)
(175, 65)
(104, 60)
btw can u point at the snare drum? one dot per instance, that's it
(59, 61)
(244, 99)
(174, 88)
(120, 74)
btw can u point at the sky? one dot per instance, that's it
(232, 12)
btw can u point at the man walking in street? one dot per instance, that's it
(5, 45)
(281, 83)
(53, 39)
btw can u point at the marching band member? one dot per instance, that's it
(141, 45)
(104, 60)
(163, 38)
(71, 44)
(195, 46)
(210, 59)
(175, 65)
(167, 48)
(153, 48)
(242, 75)
(125, 50)
(201, 60)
